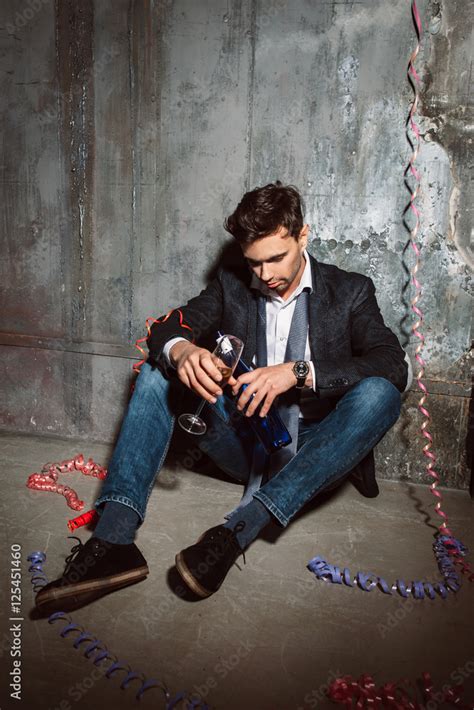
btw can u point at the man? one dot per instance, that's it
(318, 343)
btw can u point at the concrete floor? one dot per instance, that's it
(273, 635)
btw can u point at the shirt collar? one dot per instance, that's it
(305, 282)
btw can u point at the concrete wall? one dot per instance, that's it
(131, 129)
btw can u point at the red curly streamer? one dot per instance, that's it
(47, 480)
(402, 695)
(414, 190)
(138, 365)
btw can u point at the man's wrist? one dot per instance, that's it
(291, 366)
(175, 352)
(176, 349)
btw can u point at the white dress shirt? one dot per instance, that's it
(279, 314)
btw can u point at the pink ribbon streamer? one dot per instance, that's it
(47, 480)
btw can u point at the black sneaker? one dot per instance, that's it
(92, 570)
(204, 565)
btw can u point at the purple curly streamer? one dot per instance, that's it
(444, 548)
(40, 580)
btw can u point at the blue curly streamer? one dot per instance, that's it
(444, 547)
(40, 580)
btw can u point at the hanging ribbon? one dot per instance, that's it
(447, 549)
(182, 324)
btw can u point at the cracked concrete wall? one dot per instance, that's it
(131, 129)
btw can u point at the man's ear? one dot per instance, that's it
(304, 236)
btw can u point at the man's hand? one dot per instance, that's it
(265, 383)
(196, 369)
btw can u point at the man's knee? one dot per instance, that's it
(151, 380)
(380, 390)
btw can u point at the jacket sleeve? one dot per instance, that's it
(376, 351)
(194, 321)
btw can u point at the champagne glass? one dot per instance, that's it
(225, 356)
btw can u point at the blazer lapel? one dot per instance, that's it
(318, 313)
(251, 336)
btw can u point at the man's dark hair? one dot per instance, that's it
(263, 210)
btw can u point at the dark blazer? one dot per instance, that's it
(348, 337)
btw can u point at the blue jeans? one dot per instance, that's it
(326, 450)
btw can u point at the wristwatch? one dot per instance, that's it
(301, 371)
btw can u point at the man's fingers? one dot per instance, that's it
(256, 401)
(266, 405)
(201, 376)
(243, 380)
(254, 392)
(197, 371)
(184, 378)
(211, 369)
(200, 390)
(205, 381)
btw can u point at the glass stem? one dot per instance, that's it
(199, 409)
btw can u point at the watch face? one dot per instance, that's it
(301, 368)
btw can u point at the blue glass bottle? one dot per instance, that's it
(270, 429)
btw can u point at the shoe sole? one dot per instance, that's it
(187, 576)
(73, 592)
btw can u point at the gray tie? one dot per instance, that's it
(287, 403)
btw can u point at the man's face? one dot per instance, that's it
(278, 260)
